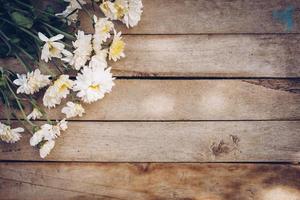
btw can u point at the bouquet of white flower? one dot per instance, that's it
(34, 35)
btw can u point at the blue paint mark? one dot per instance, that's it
(285, 16)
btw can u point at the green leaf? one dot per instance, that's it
(15, 40)
(22, 20)
(2, 82)
(50, 9)
(3, 51)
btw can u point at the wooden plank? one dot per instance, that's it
(197, 100)
(169, 142)
(149, 181)
(206, 56)
(213, 16)
(273, 99)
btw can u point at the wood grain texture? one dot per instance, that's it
(262, 99)
(210, 16)
(169, 142)
(149, 181)
(196, 100)
(205, 56)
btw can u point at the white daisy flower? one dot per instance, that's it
(63, 85)
(83, 50)
(93, 83)
(46, 148)
(121, 8)
(47, 134)
(74, 3)
(116, 50)
(60, 126)
(68, 56)
(63, 125)
(103, 27)
(51, 97)
(44, 132)
(35, 114)
(51, 48)
(133, 16)
(32, 82)
(99, 60)
(71, 9)
(38, 136)
(23, 83)
(38, 79)
(66, 14)
(73, 110)
(109, 10)
(56, 92)
(10, 135)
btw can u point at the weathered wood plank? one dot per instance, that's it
(273, 99)
(213, 16)
(169, 142)
(149, 181)
(197, 100)
(217, 56)
(206, 56)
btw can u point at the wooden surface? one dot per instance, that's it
(227, 141)
(203, 81)
(149, 181)
(205, 56)
(212, 16)
(195, 100)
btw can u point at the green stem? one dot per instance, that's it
(6, 41)
(24, 4)
(32, 101)
(26, 67)
(48, 31)
(19, 10)
(57, 67)
(69, 36)
(34, 8)
(20, 106)
(24, 125)
(66, 66)
(22, 29)
(25, 52)
(7, 104)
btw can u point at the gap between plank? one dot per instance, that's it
(124, 162)
(167, 121)
(202, 78)
(179, 34)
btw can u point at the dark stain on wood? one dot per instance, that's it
(291, 85)
(220, 148)
(224, 147)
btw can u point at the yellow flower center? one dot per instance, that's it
(62, 86)
(104, 7)
(120, 10)
(95, 87)
(117, 47)
(52, 49)
(106, 28)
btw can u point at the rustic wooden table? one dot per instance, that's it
(206, 107)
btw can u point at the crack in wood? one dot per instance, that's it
(291, 85)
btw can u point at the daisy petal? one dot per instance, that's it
(43, 37)
(57, 37)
